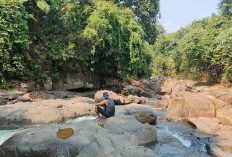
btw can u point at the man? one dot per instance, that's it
(108, 109)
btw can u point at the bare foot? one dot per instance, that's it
(99, 118)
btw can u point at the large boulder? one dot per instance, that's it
(48, 84)
(143, 113)
(191, 106)
(85, 79)
(173, 86)
(134, 99)
(29, 86)
(221, 147)
(11, 97)
(212, 126)
(226, 97)
(130, 90)
(118, 100)
(110, 82)
(155, 83)
(177, 109)
(122, 136)
(200, 106)
(161, 104)
(23, 86)
(47, 111)
(146, 93)
(208, 125)
(225, 115)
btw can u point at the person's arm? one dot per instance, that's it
(102, 103)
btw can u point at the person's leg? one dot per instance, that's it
(98, 114)
(98, 111)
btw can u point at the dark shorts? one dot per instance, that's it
(103, 112)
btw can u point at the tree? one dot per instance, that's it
(225, 8)
(46, 38)
(117, 41)
(201, 51)
(14, 39)
(146, 12)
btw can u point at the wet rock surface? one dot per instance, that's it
(208, 108)
(176, 140)
(121, 136)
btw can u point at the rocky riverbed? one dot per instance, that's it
(197, 123)
(208, 108)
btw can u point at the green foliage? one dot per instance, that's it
(57, 45)
(146, 12)
(163, 63)
(201, 51)
(3, 84)
(225, 8)
(43, 6)
(223, 53)
(117, 41)
(41, 38)
(14, 39)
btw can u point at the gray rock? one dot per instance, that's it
(130, 90)
(48, 84)
(134, 99)
(78, 84)
(81, 80)
(110, 82)
(143, 113)
(147, 94)
(122, 136)
(9, 97)
(89, 85)
(155, 83)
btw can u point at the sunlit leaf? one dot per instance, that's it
(43, 6)
(69, 6)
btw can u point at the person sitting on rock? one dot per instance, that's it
(108, 109)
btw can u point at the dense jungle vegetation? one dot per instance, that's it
(41, 38)
(120, 38)
(201, 51)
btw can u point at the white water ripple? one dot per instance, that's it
(79, 119)
(6, 134)
(184, 141)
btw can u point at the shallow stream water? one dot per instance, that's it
(174, 139)
(180, 140)
(6, 134)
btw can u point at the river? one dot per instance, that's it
(174, 139)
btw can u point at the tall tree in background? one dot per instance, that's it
(225, 8)
(146, 12)
(48, 38)
(117, 41)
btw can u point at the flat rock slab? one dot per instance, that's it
(47, 111)
(58, 110)
(122, 136)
